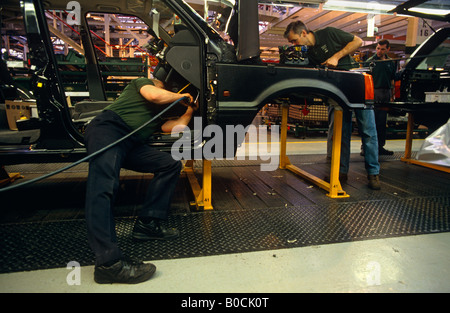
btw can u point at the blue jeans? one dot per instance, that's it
(367, 129)
(104, 177)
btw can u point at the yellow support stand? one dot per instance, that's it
(202, 196)
(334, 187)
(6, 178)
(408, 146)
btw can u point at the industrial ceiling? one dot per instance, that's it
(353, 16)
(349, 15)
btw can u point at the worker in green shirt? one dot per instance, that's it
(383, 73)
(138, 103)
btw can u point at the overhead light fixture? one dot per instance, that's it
(369, 7)
(356, 6)
(440, 11)
(281, 5)
(290, 3)
(430, 11)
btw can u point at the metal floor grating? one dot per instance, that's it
(33, 246)
(253, 211)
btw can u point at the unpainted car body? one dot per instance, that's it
(231, 81)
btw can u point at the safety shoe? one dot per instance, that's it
(124, 272)
(374, 182)
(383, 151)
(153, 230)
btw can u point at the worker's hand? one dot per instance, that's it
(189, 99)
(331, 62)
(194, 105)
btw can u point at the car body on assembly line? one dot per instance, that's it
(229, 78)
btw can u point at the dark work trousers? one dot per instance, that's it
(381, 96)
(103, 180)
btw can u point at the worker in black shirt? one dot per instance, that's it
(329, 47)
(383, 72)
(332, 47)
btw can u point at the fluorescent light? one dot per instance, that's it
(375, 7)
(281, 5)
(372, 6)
(430, 11)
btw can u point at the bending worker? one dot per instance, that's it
(137, 104)
(332, 47)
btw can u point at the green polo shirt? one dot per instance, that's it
(329, 41)
(383, 72)
(135, 110)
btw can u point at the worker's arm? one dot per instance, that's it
(351, 47)
(179, 124)
(161, 96)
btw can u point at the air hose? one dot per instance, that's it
(95, 153)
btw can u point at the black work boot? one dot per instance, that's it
(153, 230)
(124, 272)
(383, 151)
(374, 182)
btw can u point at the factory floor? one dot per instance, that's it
(269, 232)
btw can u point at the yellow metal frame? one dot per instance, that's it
(202, 196)
(6, 178)
(334, 187)
(408, 146)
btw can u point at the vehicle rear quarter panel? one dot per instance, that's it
(252, 86)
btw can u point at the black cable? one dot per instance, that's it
(93, 154)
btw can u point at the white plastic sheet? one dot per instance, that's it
(436, 147)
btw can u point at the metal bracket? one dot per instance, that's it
(408, 145)
(202, 196)
(334, 187)
(6, 178)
